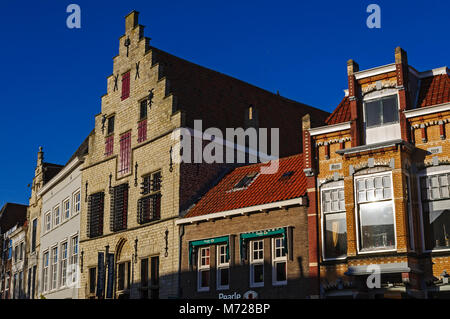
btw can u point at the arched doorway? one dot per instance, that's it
(123, 269)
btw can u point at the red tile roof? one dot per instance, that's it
(265, 188)
(341, 114)
(434, 90)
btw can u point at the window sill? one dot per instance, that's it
(378, 251)
(279, 283)
(256, 285)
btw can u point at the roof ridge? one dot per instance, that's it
(238, 80)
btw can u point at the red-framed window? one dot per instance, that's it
(125, 85)
(125, 153)
(142, 131)
(109, 145)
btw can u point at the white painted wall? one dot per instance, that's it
(66, 185)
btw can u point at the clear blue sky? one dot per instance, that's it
(52, 77)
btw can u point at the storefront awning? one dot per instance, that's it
(209, 241)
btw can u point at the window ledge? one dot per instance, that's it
(375, 146)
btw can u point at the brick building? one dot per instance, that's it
(132, 189)
(12, 225)
(44, 172)
(249, 236)
(379, 175)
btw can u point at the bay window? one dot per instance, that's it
(435, 192)
(376, 212)
(334, 223)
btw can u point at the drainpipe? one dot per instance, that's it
(179, 259)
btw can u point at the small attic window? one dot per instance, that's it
(250, 112)
(286, 175)
(246, 181)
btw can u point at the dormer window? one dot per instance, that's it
(381, 119)
(382, 111)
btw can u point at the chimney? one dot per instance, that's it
(131, 20)
(352, 67)
(400, 56)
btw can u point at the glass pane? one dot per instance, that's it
(434, 181)
(327, 207)
(341, 194)
(335, 235)
(362, 196)
(342, 205)
(387, 193)
(443, 180)
(379, 193)
(281, 271)
(373, 116)
(258, 273)
(370, 195)
(390, 110)
(224, 274)
(369, 183)
(361, 185)
(386, 181)
(437, 224)
(377, 226)
(335, 206)
(334, 195)
(378, 182)
(444, 192)
(204, 279)
(327, 196)
(435, 194)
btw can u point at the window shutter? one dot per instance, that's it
(125, 85)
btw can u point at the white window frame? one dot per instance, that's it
(63, 263)
(54, 267)
(76, 203)
(74, 257)
(64, 210)
(358, 231)
(56, 217)
(276, 260)
(201, 267)
(45, 270)
(222, 265)
(328, 187)
(253, 263)
(48, 222)
(435, 170)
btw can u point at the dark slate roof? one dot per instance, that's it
(12, 214)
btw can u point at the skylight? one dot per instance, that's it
(246, 181)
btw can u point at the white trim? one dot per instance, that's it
(201, 268)
(258, 262)
(220, 266)
(356, 213)
(419, 175)
(427, 110)
(322, 188)
(433, 72)
(240, 211)
(57, 178)
(329, 128)
(276, 260)
(375, 71)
